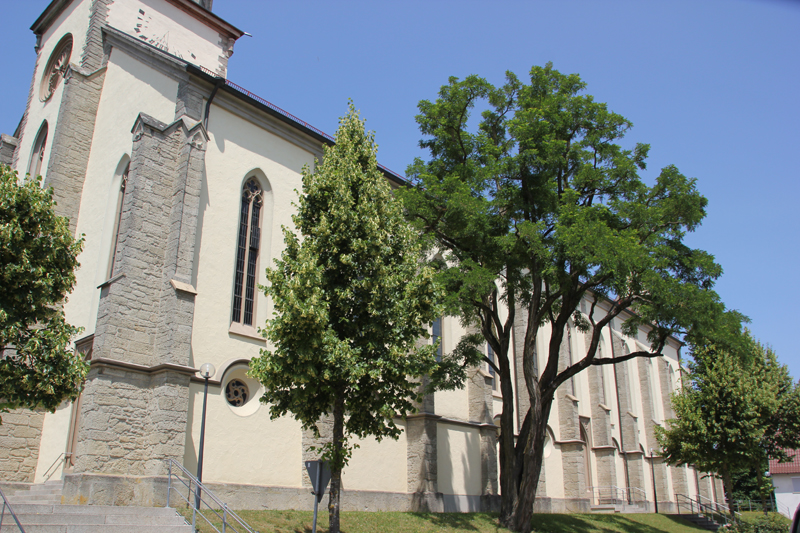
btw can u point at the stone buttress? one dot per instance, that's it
(134, 407)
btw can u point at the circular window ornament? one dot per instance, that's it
(56, 68)
(237, 393)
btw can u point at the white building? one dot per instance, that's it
(786, 482)
(181, 181)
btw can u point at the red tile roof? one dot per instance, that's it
(791, 467)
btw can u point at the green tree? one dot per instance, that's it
(736, 410)
(351, 298)
(535, 207)
(38, 258)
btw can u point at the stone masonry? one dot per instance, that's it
(72, 141)
(20, 434)
(135, 405)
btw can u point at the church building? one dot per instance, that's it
(180, 181)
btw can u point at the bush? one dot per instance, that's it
(772, 523)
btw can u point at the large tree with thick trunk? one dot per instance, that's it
(535, 207)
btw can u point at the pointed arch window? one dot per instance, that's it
(37, 154)
(436, 336)
(118, 219)
(248, 243)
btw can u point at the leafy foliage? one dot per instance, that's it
(38, 258)
(735, 411)
(537, 209)
(351, 301)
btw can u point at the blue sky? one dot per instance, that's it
(713, 86)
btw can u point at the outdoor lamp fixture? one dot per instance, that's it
(206, 370)
(653, 472)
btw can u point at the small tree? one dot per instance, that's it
(735, 411)
(38, 258)
(351, 299)
(540, 196)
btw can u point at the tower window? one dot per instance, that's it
(247, 253)
(37, 154)
(117, 221)
(436, 337)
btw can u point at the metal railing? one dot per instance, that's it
(54, 467)
(7, 505)
(771, 506)
(196, 495)
(617, 495)
(715, 511)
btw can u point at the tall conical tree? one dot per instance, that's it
(351, 299)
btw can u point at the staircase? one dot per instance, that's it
(699, 520)
(39, 510)
(611, 508)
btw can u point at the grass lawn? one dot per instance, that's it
(359, 522)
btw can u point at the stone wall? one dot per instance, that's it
(8, 146)
(135, 404)
(72, 141)
(20, 435)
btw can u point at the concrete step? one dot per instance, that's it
(93, 509)
(82, 528)
(699, 520)
(39, 518)
(603, 509)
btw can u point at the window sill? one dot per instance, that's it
(604, 407)
(485, 374)
(111, 280)
(245, 331)
(497, 394)
(571, 397)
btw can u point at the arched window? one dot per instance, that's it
(436, 336)
(118, 218)
(244, 285)
(56, 67)
(37, 154)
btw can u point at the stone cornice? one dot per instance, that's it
(142, 369)
(452, 421)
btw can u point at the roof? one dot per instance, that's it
(791, 467)
(284, 116)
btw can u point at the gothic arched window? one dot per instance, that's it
(37, 154)
(118, 219)
(244, 285)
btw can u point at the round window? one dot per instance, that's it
(56, 67)
(236, 392)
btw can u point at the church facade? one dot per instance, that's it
(180, 181)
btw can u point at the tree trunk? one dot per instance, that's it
(760, 475)
(508, 464)
(336, 465)
(532, 460)
(727, 486)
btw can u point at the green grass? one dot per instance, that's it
(360, 522)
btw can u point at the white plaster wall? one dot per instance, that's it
(235, 149)
(248, 449)
(130, 88)
(163, 25)
(554, 470)
(454, 403)
(787, 499)
(53, 443)
(458, 453)
(74, 20)
(378, 466)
